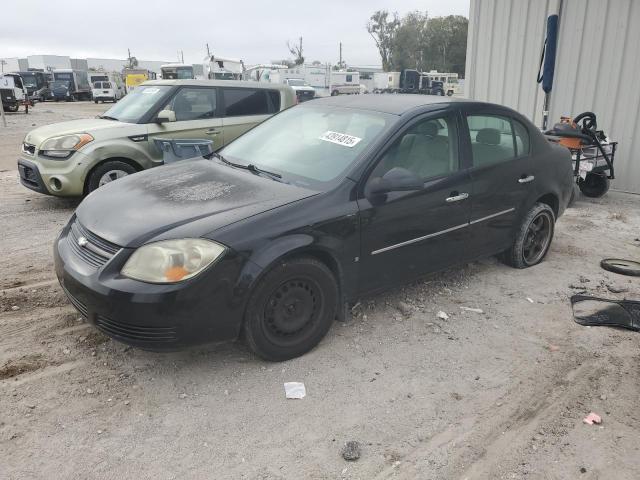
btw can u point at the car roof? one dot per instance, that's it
(219, 83)
(396, 104)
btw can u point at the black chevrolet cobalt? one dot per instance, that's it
(272, 236)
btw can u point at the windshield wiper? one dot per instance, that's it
(251, 167)
(107, 117)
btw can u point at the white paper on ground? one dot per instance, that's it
(294, 390)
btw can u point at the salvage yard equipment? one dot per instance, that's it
(591, 149)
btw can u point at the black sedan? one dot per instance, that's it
(323, 203)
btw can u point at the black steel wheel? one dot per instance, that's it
(291, 309)
(533, 238)
(595, 185)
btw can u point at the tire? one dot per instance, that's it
(335, 93)
(595, 185)
(623, 267)
(273, 329)
(117, 167)
(533, 238)
(95, 101)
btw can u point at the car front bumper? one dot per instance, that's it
(63, 178)
(207, 308)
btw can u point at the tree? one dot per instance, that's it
(409, 41)
(296, 51)
(445, 44)
(383, 30)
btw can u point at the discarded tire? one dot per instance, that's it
(621, 266)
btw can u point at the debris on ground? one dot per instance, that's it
(592, 418)
(474, 310)
(351, 451)
(295, 390)
(616, 289)
(442, 315)
(404, 308)
(554, 348)
(530, 300)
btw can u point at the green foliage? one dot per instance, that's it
(417, 41)
(383, 27)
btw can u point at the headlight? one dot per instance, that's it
(63, 147)
(172, 261)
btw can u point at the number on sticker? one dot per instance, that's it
(340, 138)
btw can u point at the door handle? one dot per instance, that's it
(456, 197)
(212, 131)
(528, 179)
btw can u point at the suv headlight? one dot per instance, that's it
(171, 261)
(63, 147)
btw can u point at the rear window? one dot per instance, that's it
(246, 101)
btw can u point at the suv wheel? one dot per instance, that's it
(533, 238)
(291, 309)
(108, 172)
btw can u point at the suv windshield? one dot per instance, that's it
(137, 103)
(312, 146)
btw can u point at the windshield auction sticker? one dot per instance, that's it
(340, 138)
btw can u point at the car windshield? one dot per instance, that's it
(137, 103)
(297, 83)
(310, 146)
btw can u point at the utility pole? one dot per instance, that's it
(208, 52)
(340, 63)
(182, 55)
(3, 62)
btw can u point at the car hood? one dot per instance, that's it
(87, 125)
(191, 198)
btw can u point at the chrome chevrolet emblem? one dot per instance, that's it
(82, 241)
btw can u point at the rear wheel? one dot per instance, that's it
(108, 172)
(533, 238)
(595, 185)
(335, 93)
(291, 309)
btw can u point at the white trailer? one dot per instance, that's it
(222, 68)
(344, 83)
(386, 82)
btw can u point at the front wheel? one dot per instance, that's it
(595, 185)
(335, 93)
(533, 238)
(291, 309)
(107, 173)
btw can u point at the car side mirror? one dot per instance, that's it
(397, 179)
(166, 116)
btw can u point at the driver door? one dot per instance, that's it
(407, 234)
(196, 118)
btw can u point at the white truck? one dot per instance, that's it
(106, 86)
(449, 81)
(222, 68)
(12, 92)
(177, 71)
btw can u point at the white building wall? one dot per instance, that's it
(48, 62)
(597, 66)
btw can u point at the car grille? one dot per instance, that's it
(81, 307)
(28, 175)
(136, 333)
(29, 149)
(95, 251)
(7, 95)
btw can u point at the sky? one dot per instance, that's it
(255, 31)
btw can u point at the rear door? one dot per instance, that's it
(502, 178)
(197, 118)
(244, 108)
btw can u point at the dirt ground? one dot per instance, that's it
(493, 395)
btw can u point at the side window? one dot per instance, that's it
(522, 138)
(274, 96)
(245, 101)
(429, 149)
(492, 139)
(193, 104)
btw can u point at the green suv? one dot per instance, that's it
(76, 157)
